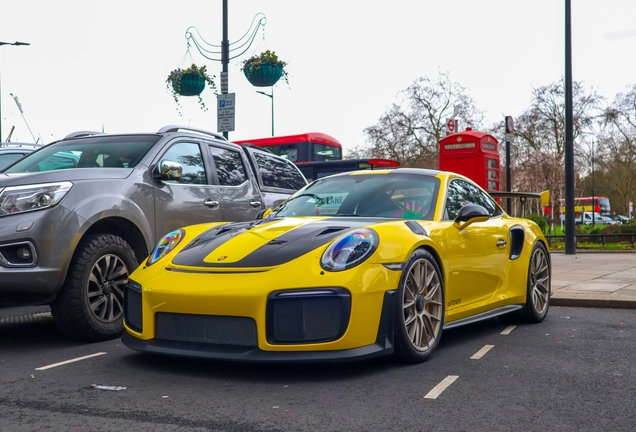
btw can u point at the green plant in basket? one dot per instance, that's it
(189, 82)
(265, 69)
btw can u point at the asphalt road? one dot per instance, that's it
(573, 372)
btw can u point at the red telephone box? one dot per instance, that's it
(472, 154)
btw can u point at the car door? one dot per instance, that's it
(478, 254)
(236, 187)
(193, 198)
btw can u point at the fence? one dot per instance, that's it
(602, 237)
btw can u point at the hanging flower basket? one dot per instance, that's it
(189, 82)
(263, 75)
(264, 70)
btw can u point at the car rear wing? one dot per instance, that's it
(523, 196)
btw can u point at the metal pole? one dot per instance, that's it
(225, 50)
(271, 96)
(593, 192)
(570, 236)
(508, 182)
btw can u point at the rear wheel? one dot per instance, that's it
(90, 305)
(538, 285)
(419, 316)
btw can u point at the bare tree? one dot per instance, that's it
(617, 151)
(410, 130)
(540, 137)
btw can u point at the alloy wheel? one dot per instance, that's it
(422, 304)
(105, 287)
(539, 280)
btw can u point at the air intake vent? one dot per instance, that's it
(330, 230)
(307, 316)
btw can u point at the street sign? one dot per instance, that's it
(510, 125)
(510, 137)
(451, 126)
(225, 104)
(224, 81)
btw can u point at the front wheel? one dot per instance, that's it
(90, 305)
(538, 285)
(419, 316)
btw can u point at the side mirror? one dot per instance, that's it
(469, 214)
(168, 170)
(264, 213)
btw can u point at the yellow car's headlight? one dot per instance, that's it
(350, 250)
(165, 245)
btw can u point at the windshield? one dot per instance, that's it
(394, 195)
(94, 152)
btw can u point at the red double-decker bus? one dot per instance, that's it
(306, 147)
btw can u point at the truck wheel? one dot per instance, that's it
(90, 305)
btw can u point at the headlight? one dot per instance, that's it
(165, 245)
(18, 199)
(349, 250)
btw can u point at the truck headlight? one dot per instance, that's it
(19, 199)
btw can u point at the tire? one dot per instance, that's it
(419, 314)
(538, 285)
(90, 305)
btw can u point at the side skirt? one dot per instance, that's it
(483, 316)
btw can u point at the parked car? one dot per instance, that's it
(77, 216)
(13, 151)
(617, 219)
(382, 262)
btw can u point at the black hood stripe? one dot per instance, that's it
(292, 244)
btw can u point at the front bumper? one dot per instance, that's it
(51, 232)
(383, 346)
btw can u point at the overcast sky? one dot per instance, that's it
(94, 64)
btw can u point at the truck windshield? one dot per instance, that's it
(94, 152)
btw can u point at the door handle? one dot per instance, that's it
(211, 203)
(255, 203)
(501, 243)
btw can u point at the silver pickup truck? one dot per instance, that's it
(78, 215)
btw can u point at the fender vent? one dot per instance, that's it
(517, 237)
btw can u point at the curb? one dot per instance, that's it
(594, 300)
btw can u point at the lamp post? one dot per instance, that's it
(16, 43)
(271, 96)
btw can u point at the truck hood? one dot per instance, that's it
(74, 174)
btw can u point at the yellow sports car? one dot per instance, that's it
(355, 265)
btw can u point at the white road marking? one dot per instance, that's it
(69, 361)
(439, 388)
(479, 354)
(508, 330)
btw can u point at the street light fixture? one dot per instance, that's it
(271, 96)
(16, 43)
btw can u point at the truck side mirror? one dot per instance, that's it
(168, 170)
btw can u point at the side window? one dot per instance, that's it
(461, 193)
(229, 166)
(188, 155)
(278, 173)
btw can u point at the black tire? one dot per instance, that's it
(90, 305)
(538, 285)
(419, 313)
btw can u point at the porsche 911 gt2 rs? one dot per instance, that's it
(352, 266)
